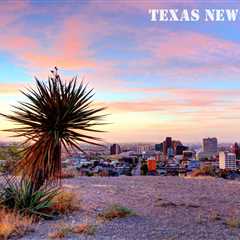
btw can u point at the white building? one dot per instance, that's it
(143, 148)
(227, 160)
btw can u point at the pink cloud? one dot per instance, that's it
(18, 43)
(6, 88)
(70, 47)
(165, 46)
(178, 100)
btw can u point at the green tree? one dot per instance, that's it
(144, 168)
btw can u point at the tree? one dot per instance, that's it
(57, 115)
(144, 168)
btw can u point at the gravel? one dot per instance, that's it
(166, 208)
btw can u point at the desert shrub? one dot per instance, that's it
(116, 211)
(89, 174)
(215, 216)
(84, 228)
(200, 218)
(64, 230)
(57, 234)
(8, 166)
(233, 222)
(65, 202)
(224, 173)
(20, 196)
(12, 224)
(204, 171)
(11, 154)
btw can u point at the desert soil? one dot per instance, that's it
(166, 208)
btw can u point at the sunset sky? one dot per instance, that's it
(179, 79)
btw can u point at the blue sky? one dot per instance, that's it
(175, 78)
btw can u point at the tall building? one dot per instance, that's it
(227, 160)
(180, 149)
(159, 147)
(175, 144)
(167, 144)
(235, 149)
(188, 155)
(210, 145)
(115, 149)
(210, 149)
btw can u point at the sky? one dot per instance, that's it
(157, 79)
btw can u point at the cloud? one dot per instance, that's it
(179, 54)
(10, 88)
(182, 104)
(11, 11)
(79, 43)
(118, 55)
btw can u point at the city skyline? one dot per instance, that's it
(157, 79)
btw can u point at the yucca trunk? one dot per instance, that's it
(45, 164)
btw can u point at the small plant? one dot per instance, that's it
(65, 202)
(56, 235)
(224, 173)
(233, 222)
(116, 211)
(62, 231)
(12, 224)
(84, 228)
(204, 171)
(215, 216)
(200, 219)
(21, 197)
(89, 174)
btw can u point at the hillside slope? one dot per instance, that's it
(166, 208)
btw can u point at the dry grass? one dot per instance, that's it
(116, 211)
(12, 224)
(84, 228)
(204, 171)
(233, 222)
(66, 202)
(199, 219)
(64, 230)
(215, 216)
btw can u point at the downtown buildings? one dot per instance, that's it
(170, 148)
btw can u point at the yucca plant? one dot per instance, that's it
(57, 114)
(20, 196)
